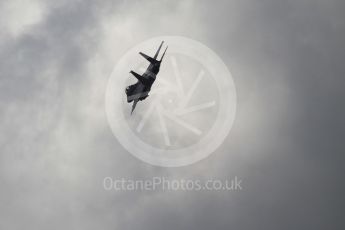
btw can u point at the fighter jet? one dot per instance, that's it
(140, 90)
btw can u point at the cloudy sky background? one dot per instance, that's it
(286, 144)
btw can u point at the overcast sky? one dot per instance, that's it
(286, 144)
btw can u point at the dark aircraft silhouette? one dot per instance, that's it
(140, 90)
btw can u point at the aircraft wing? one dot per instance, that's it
(140, 78)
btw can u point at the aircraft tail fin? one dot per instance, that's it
(156, 55)
(164, 53)
(154, 59)
(150, 59)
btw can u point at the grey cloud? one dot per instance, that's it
(286, 143)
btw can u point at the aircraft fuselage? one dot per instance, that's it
(140, 90)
